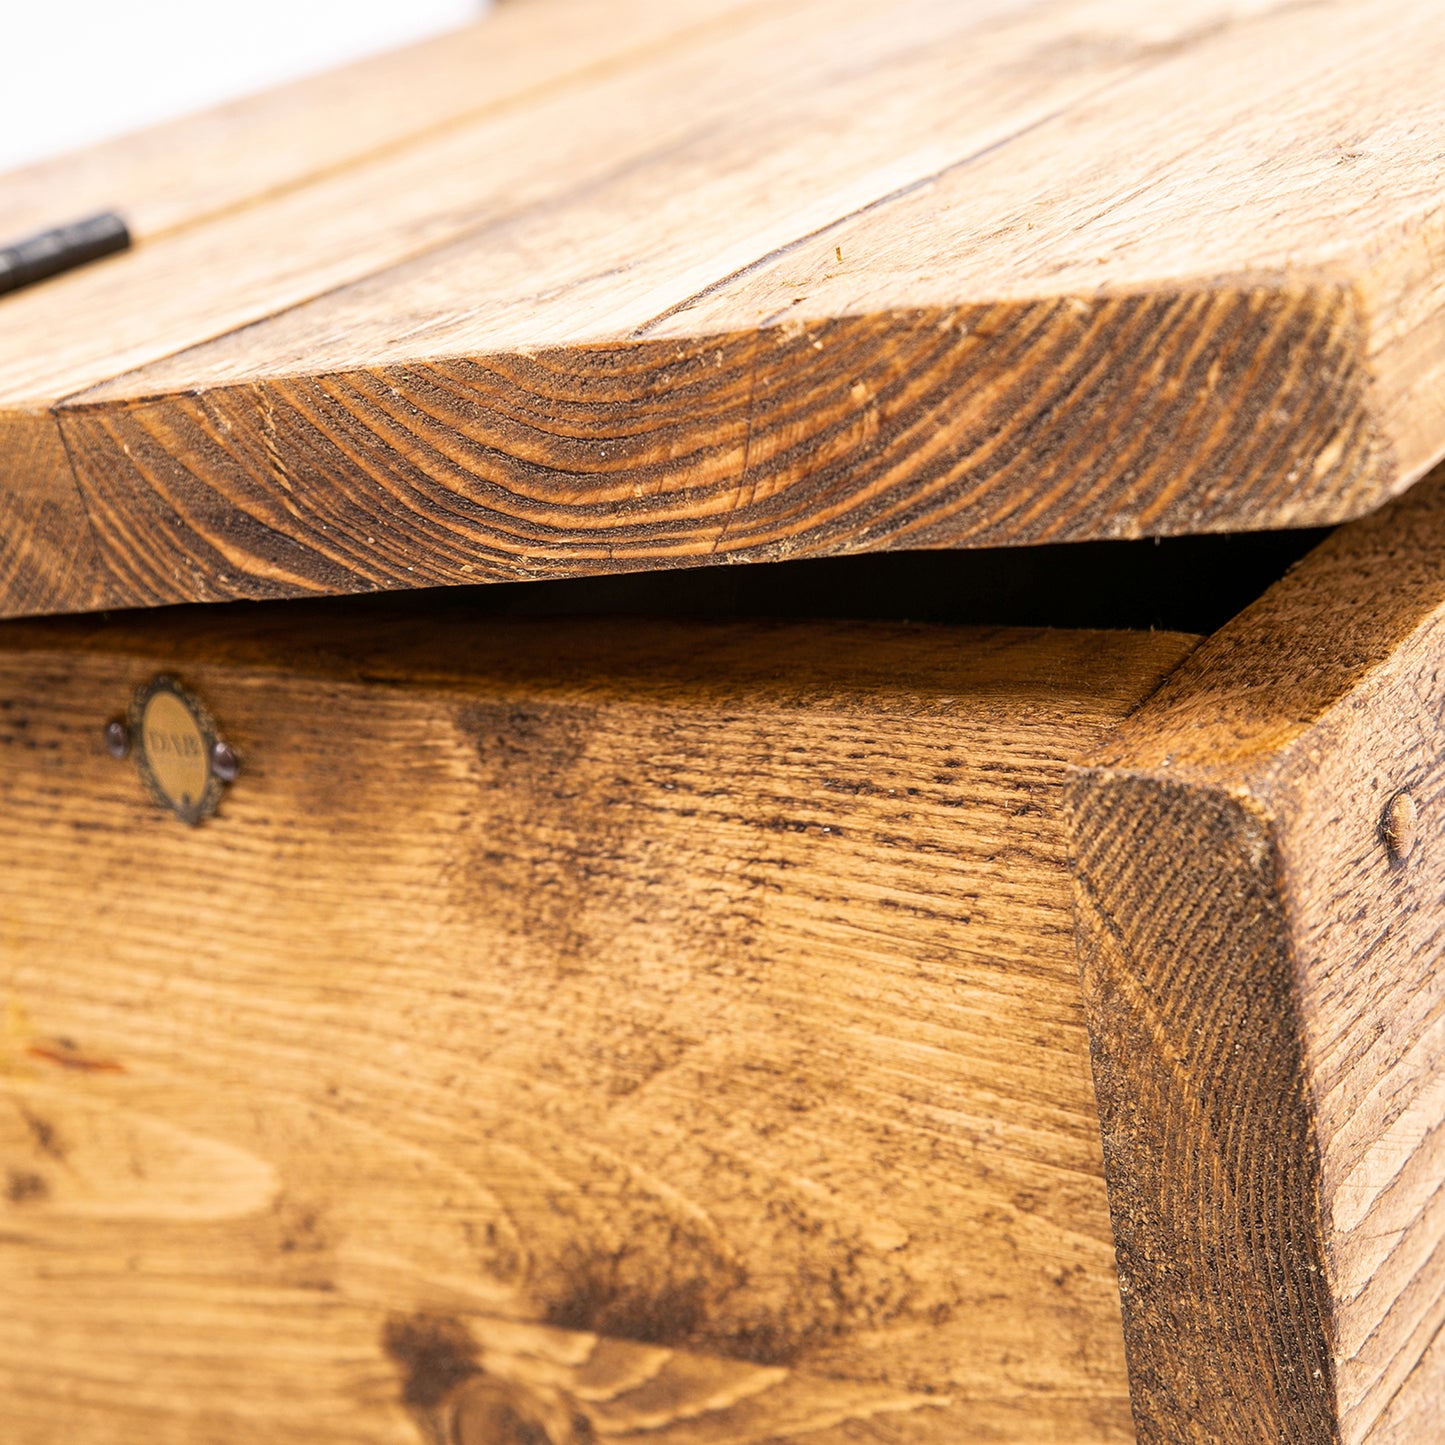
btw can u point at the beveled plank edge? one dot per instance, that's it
(819, 663)
(1213, 409)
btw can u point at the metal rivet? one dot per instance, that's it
(117, 739)
(1400, 825)
(224, 762)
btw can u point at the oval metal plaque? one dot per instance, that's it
(174, 737)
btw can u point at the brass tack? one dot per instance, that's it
(224, 763)
(1401, 825)
(117, 739)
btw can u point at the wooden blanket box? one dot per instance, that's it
(724, 724)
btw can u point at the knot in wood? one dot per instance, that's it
(1400, 825)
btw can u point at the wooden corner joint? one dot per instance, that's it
(1211, 1145)
(1259, 865)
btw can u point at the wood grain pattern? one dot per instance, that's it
(817, 278)
(284, 248)
(776, 445)
(630, 1031)
(1261, 924)
(48, 558)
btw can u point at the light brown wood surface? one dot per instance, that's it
(1261, 864)
(612, 1031)
(813, 276)
(173, 175)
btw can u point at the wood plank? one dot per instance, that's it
(1260, 869)
(271, 256)
(246, 264)
(728, 89)
(950, 296)
(666, 1033)
(173, 175)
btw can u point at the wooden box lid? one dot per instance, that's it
(627, 284)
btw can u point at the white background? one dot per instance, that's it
(77, 71)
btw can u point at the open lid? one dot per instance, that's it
(627, 284)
